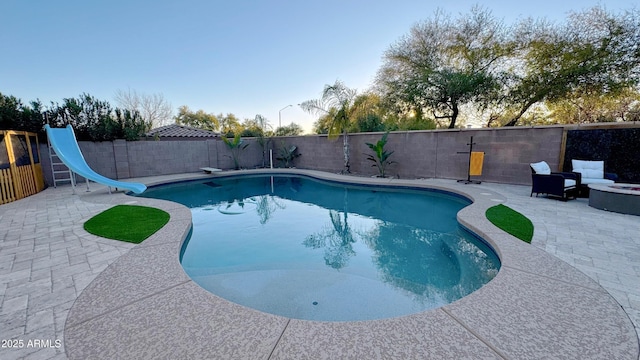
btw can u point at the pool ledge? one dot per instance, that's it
(145, 306)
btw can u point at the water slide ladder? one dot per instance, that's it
(63, 143)
(60, 171)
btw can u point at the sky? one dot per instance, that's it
(245, 57)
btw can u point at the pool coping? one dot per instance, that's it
(145, 306)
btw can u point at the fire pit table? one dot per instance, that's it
(620, 198)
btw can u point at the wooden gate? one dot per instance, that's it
(20, 168)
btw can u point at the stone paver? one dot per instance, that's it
(603, 245)
(47, 259)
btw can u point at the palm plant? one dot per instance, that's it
(336, 102)
(235, 145)
(381, 159)
(263, 137)
(287, 154)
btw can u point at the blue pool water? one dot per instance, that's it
(297, 247)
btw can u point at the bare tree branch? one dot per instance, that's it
(153, 108)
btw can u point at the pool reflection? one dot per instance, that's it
(285, 240)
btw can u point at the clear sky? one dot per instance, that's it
(222, 56)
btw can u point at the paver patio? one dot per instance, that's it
(47, 259)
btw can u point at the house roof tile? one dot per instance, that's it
(183, 131)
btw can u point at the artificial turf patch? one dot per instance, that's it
(511, 221)
(130, 223)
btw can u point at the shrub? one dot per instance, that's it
(381, 158)
(288, 154)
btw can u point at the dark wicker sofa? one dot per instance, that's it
(561, 184)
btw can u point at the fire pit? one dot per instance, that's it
(620, 198)
(626, 187)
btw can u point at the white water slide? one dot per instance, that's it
(63, 141)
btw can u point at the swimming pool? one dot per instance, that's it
(301, 248)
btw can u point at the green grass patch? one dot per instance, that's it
(130, 223)
(511, 221)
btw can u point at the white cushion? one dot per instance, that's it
(569, 183)
(541, 168)
(589, 169)
(587, 181)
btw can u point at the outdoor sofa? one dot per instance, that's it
(561, 184)
(592, 173)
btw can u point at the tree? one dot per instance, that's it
(292, 129)
(260, 126)
(95, 120)
(14, 115)
(322, 125)
(229, 124)
(595, 53)
(10, 112)
(153, 109)
(126, 124)
(443, 64)
(198, 119)
(595, 108)
(367, 113)
(371, 113)
(254, 127)
(261, 122)
(412, 121)
(336, 102)
(32, 117)
(89, 116)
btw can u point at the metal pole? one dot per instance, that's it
(470, 152)
(280, 115)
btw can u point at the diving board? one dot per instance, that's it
(209, 170)
(63, 141)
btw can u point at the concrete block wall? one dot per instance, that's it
(508, 152)
(43, 149)
(100, 155)
(317, 152)
(439, 154)
(149, 158)
(417, 154)
(248, 158)
(121, 155)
